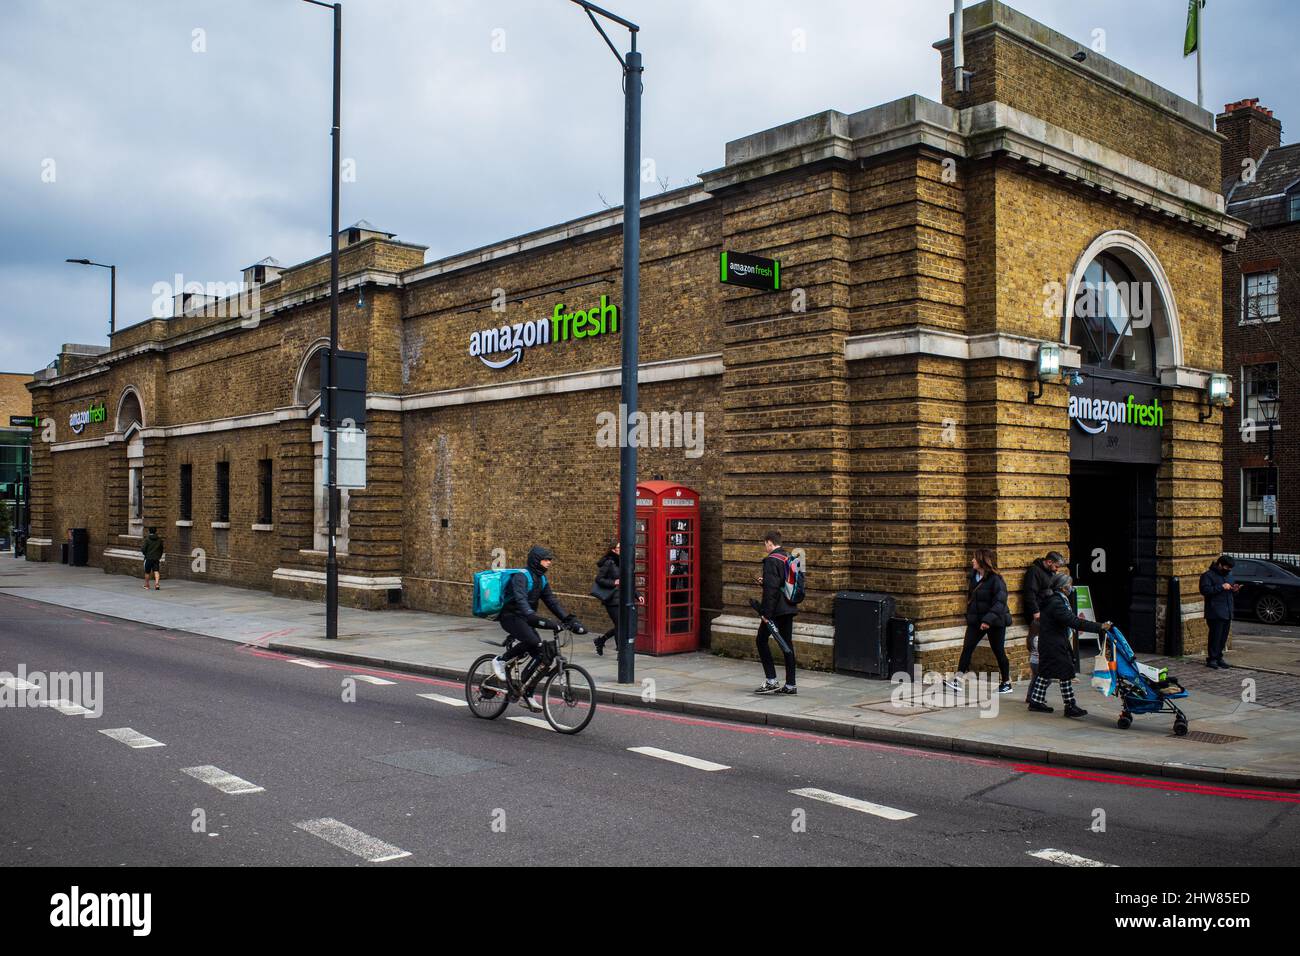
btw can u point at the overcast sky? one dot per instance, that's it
(176, 151)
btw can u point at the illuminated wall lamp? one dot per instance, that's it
(1217, 393)
(1049, 367)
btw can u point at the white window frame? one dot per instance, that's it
(1250, 525)
(1246, 318)
(134, 484)
(1258, 418)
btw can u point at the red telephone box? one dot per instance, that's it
(667, 568)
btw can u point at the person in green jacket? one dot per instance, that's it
(152, 549)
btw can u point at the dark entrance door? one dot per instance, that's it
(1113, 544)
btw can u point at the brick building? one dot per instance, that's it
(1261, 322)
(15, 449)
(883, 409)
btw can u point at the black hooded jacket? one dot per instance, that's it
(1037, 587)
(522, 600)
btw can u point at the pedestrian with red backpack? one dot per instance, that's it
(783, 590)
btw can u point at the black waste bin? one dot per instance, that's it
(80, 556)
(861, 632)
(63, 552)
(901, 651)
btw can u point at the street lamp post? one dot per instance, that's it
(632, 70)
(112, 291)
(1268, 410)
(330, 369)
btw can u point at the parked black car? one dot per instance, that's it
(1270, 590)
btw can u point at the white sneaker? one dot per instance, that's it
(956, 684)
(499, 668)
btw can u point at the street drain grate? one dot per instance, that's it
(1204, 737)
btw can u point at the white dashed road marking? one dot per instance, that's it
(1066, 859)
(225, 782)
(16, 683)
(531, 722)
(354, 841)
(371, 679)
(306, 663)
(852, 803)
(452, 701)
(682, 759)
(133, 739)
(68, 708)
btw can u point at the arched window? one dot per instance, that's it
(1112, 317)
(128, 411)
(308, 388)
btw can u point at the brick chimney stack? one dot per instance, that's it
(1250, 130)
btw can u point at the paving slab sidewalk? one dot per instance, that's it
(1258, 744)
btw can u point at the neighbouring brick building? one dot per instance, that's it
(883, 409)
(1261, 331)
(15, 449)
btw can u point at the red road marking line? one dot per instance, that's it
(1206, 789)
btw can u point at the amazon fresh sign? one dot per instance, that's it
(508, 342)
(1095, 415)
(1115, 421)
(93, 415)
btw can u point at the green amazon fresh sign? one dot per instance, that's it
(93, 415)
(561, 326)
(1094, 415)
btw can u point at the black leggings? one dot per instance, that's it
(612, 611)
(527, 643)
(997, 636)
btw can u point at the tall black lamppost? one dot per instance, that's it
(1268, 410)
(330, 368)
(112, 291)
(632, 70)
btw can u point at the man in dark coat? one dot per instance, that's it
(1037, 587)
(519, 617)
(1219, 591)
(780, 612)
(1055, 653)
(152, 549)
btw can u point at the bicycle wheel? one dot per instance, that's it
(486, 697)
(569, 699)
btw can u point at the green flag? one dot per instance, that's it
(1192, 40)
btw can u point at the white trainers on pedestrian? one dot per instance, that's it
(955, 683)
(499, 668)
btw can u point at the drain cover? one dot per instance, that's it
(435, 762)
(1204, 737)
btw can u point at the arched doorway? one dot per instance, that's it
(1122, 317)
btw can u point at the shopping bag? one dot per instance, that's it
(1103, 670)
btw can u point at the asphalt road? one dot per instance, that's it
(401, 780)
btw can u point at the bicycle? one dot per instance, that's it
(568, 692)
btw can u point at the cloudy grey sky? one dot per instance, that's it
(199, 153)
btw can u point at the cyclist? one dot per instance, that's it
(519, 615)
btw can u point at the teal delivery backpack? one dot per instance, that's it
(490, 589)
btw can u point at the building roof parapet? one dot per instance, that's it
(997, 16)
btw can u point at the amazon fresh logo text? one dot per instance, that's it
(90, 416)
(1104, 412)
(560, 327)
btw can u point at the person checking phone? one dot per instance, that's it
(1220, 591)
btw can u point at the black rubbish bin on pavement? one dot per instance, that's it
(80, 556)
(862, 632)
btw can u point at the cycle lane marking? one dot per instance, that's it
(683, 759)
(132, 738)
(1066, 859)
(853, 803)
(222, 780)
(339, 834)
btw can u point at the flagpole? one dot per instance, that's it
(1200, 15)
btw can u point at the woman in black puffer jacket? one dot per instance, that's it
(1055, 651)
(608, 575)
(986, 616)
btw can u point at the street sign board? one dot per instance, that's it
(752, 272)
(1270, 506)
